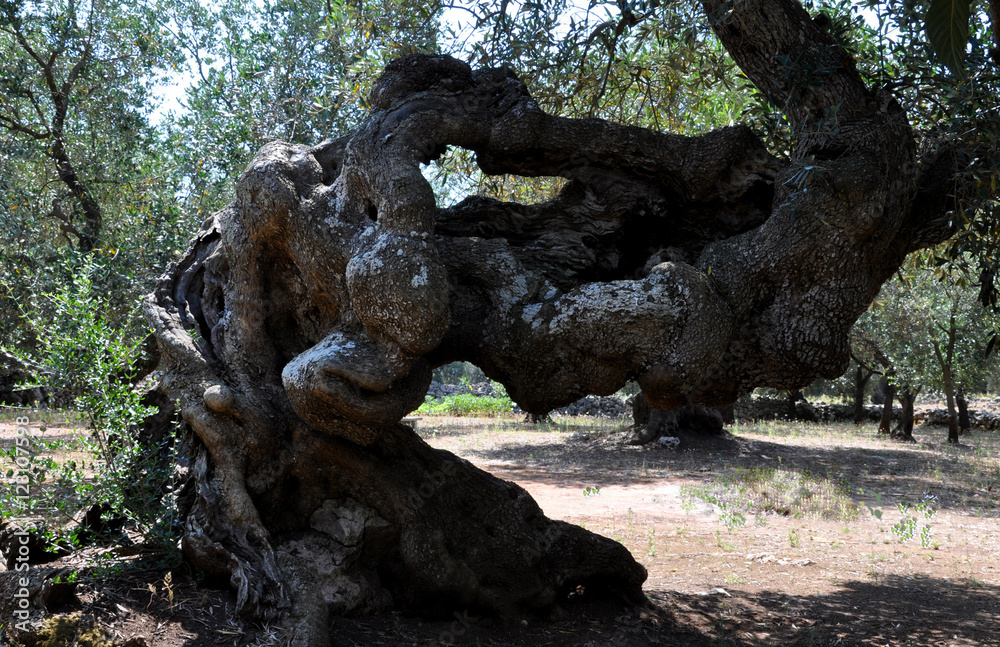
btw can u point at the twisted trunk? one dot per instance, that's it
(964, 425)
(861, 377)
(904, 431)
(885, 424)
(306, 318)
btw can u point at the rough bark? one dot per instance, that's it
(690, 421)
(964, 424)
(861, 377)
(946, 358)
(649, 423)
(879, 392)
(306, 317)
(949, 396)
(640, 410)
(904, 431)
(885, 423)
(794, 397)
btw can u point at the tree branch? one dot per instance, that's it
(792, 61)
(935, 213)
(863, 364)
(15, 126)
(994, 8)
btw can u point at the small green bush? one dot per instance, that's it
(465, 404)
(79, 355)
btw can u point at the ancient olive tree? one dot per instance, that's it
(307, 316)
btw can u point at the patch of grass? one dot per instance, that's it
(764, 490)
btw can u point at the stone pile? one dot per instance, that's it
(593, 405)
(439, 390)
(939, 416)
(781, 409)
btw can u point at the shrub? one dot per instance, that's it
(465, 404)
(78, 354)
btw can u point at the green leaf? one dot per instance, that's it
(947, 27)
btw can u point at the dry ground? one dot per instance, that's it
(783, 578)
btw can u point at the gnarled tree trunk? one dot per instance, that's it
(861, 377)
(885, 424)
(904, 430)
(964, 424)
(306, 317)
(650, 424)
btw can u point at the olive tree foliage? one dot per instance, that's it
(927, 332)
(659, 65)
(632, 63)
(291, 70)
(88, 168)
(952, 92)
(947, 24)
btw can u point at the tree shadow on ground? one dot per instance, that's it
(896, 472)
(894, 611)
(139, 608)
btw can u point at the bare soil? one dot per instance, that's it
(780, 579)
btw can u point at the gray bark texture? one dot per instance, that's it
(306, 317)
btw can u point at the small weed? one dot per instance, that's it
(906, 528)
(730, 518)
(725, 545)
(69, 578)
(592, 491)
(876, 512)
(793, 539)
(733, 578)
